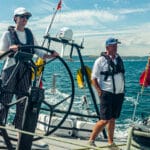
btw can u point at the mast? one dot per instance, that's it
(52, 20)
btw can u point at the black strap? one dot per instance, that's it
(112, 68)
(15, 40)
(114, 86)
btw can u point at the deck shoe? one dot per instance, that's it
(91, 143)
(113, 146)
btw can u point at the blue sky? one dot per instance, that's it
(95, 20)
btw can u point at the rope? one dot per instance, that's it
(132, 132)
(57, 139)
(101, 147)
(140, 133)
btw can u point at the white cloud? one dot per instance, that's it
(86, 18)
(89, 16)
(95, 26)
(131, 11)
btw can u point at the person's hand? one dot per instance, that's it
(99, 92)
(14, 48)
(53, 55)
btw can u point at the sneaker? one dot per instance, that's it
(91, 143)
(113, 146)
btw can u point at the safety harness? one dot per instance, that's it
(113, 68)
(15, 40)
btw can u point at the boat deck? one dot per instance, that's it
(66, 143)
(54, 142)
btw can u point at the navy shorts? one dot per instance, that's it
(110, 105)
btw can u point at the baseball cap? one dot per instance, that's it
(21, 11)
(111, 41)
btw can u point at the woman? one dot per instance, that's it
(21, 82)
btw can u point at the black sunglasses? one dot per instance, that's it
(24, 16)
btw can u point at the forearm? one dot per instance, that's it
(52, 55)
(97, 87)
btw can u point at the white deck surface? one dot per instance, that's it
(65, 143)
(79, 144)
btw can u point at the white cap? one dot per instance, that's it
(21, 11)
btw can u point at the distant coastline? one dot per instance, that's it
(85, 57)
(124, 57)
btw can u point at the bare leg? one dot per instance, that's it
(111, 128)
(97, 129)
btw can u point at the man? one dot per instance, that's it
(21, 82)
(108, 79)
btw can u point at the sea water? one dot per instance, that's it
(61, 87)
(134, 66)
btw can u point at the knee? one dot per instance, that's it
(112, 120)
(104, 122)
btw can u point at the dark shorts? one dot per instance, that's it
(110, 105)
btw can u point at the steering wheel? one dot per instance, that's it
(58, 82)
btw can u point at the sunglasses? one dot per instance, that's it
(23, 16)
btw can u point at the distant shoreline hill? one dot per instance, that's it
(93, 57)
(124, 57)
